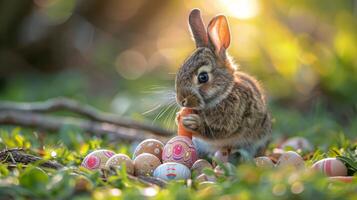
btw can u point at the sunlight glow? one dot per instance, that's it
(241, 9)
(53, 154)
(149, 191)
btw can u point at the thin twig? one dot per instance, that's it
(17, 155)
(64, 104)
(51, 123)
(146, 180)
(149, 180)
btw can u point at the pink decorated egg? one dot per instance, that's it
(151, 146)
(145, 164)
(291, 158)
(172, 171)
(97, 159)
(331, 167)
(180, 149)
(118, 161)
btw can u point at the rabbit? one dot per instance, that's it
(230, 110)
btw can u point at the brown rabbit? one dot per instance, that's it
(230, 108)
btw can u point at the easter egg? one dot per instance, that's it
(151, 146)
(205, 177)
(118, 161)
(331, 167)
(180, 149)
(206, 185)
(278, 151)
(97, 159)
(221, 156)
(172, 171)
(145, 164)
(263, 162)
(298, 143)
(290, 158)
(199, 165)
(219, 171)
(201, 178)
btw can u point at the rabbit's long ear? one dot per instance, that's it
(197, 28)
(219, 35)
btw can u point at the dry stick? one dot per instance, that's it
(90, 112)
(51, 123)
(18, 156)
(149, 180)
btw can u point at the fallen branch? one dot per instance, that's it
(16, 155)
(149, 180)
(51, 123)
(64, 104)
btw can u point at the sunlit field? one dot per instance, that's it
(118, 60)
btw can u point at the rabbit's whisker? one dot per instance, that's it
(152, 109)
(163, 112)
(172, 117)
(168, 115)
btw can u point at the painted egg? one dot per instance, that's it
(290, 158)
(331, 167)
(263, 162)
(298, 143)
(201, 178)
(219, 171)
(276, 154)
(180, 149)
(221, 155)
(152, 146)
(97, 159)
(199, 165)
(172, 171)
(206, 185)
(145, 164)
(205, 177)
(118, 161)
(278, 151)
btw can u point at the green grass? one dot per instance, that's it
(70, 145)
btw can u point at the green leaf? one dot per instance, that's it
(35, 179)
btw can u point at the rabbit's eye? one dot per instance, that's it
(203, 77)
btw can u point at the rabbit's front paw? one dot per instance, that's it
(192, 122)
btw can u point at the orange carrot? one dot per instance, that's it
(181, 130)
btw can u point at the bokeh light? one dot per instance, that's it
(301, 52)
(241, 9)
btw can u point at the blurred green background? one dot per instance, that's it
(121, 56)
